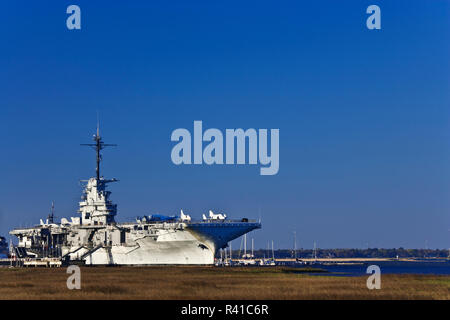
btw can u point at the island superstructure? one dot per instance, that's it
(95, 238)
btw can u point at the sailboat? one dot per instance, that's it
(247, 258)
(272, 263)
(294, 253)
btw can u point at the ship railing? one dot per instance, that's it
(225, 221)
(170, 223)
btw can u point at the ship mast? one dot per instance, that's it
(98, 146)
(51, 216)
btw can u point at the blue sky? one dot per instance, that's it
(363, 115)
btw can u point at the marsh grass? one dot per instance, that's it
(212, 283)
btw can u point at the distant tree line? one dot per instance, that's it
(348, 253)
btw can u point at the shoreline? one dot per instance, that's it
(412, 259)
(209, 283)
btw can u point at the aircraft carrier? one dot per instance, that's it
(95, 238)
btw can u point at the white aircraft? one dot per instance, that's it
(218, 216)
(185, 217)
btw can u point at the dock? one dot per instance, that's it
(31, 262)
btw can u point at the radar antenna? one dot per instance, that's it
(98, 146)
(51, 216)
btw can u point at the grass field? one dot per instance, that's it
(212, 283)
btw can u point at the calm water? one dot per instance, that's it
(389, 267)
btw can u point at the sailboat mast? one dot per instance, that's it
(295, 244)
(252, 247)
(245, 245)
(273, 254)
(315, 251)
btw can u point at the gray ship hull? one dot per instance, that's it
(186, 244)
